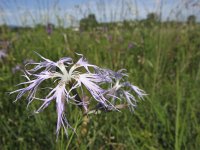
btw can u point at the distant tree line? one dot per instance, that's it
(90, 21)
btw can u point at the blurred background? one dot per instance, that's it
(157, 41)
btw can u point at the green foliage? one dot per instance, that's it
(88, 23)
(163, 60)
(191, 19)
(151, 20)
(153, 17)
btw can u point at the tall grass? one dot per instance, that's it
(162, 58)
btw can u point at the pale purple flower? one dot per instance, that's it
(47, 64)
(60, 95)
(68, 77)
(67, 74)
(122, 90)
(89, 81)
(104, 74)
(33, 85)
(131, 45)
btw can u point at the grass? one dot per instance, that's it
(164, 60)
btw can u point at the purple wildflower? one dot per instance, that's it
(68, 73)
(131, 45)
(60, 94)
(49, 28)
(33, 85)
(80, 75)
(124, 90)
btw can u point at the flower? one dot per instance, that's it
(68, 78)
(123, 90)
(67, 75)
(131, 45)
(49, 28)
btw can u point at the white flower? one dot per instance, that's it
(67, 78)
(64, 73)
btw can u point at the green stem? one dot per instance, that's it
(177, 144)
(77, 97)
(77, 123)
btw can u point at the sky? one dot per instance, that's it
(69, 12)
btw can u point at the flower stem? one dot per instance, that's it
(77, 97)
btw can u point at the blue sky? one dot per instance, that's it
(69, 12)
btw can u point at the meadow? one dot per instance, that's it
(161, 58)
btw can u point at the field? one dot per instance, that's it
(161, 58)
